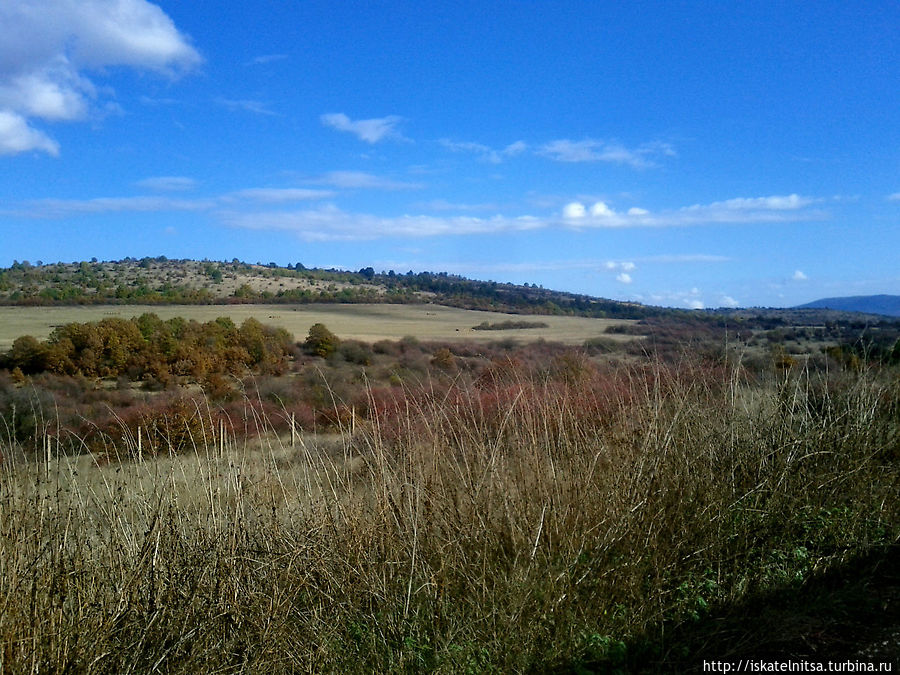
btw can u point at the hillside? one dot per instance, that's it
(887, 305)
(157, 281)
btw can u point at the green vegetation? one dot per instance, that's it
(163, 281)
(409, 506)
(211, 496)
(149, 348)
(517, 525)
(321, 341)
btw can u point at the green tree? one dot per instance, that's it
(321, 341)
(28, 354)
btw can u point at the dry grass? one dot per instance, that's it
(349, 321)
(506, 527)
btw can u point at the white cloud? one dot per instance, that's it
(168, 183)
(266, 58)
(17, 136)
(444, 205)
(247, 105)
(280, 195)
(574, 211)
(894, 197)
(60, 208)
(363, 180)
(591, 150)
(485, 152)
(684, 258)
(777, 203)
(370, 131)
(46, 48)
(728, 301)
(330, 223)
(625, 268)
(799, 276)
(789, 208)
(516, 148)
(601, 210)
(677, 298)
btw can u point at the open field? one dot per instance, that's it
(367, 322)
(609, 520)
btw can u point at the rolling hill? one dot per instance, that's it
(161, 281)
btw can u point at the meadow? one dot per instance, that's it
(367, 322)
(453, 507)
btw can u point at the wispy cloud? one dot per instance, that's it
(894, 197)
(444, 205)
(63, 208)
(167, 183)
(484, 152)
(247, 105)
(333, 224)
(243, 209)
(590, 150)
(684, 258)
(279, 195)
(799, 276)
(354, 180)
(789, 208)
(45, 52)
(60, 208)
(371, 130)
(266, 58)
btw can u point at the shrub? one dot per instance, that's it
(321, 341)
(356, 352)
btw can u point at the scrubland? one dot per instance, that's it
(443, 508)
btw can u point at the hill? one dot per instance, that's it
(887, 305)
(160, 281)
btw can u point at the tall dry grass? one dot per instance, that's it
(509, 525)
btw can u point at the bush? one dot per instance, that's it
(356, 352)
(321, 341)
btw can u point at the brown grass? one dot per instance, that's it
(510, 525)
(351, 321)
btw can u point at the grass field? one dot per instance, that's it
(630, 520)
(351, 321)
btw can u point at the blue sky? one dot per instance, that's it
(691, 154)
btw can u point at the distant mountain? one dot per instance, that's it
(888, 305)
